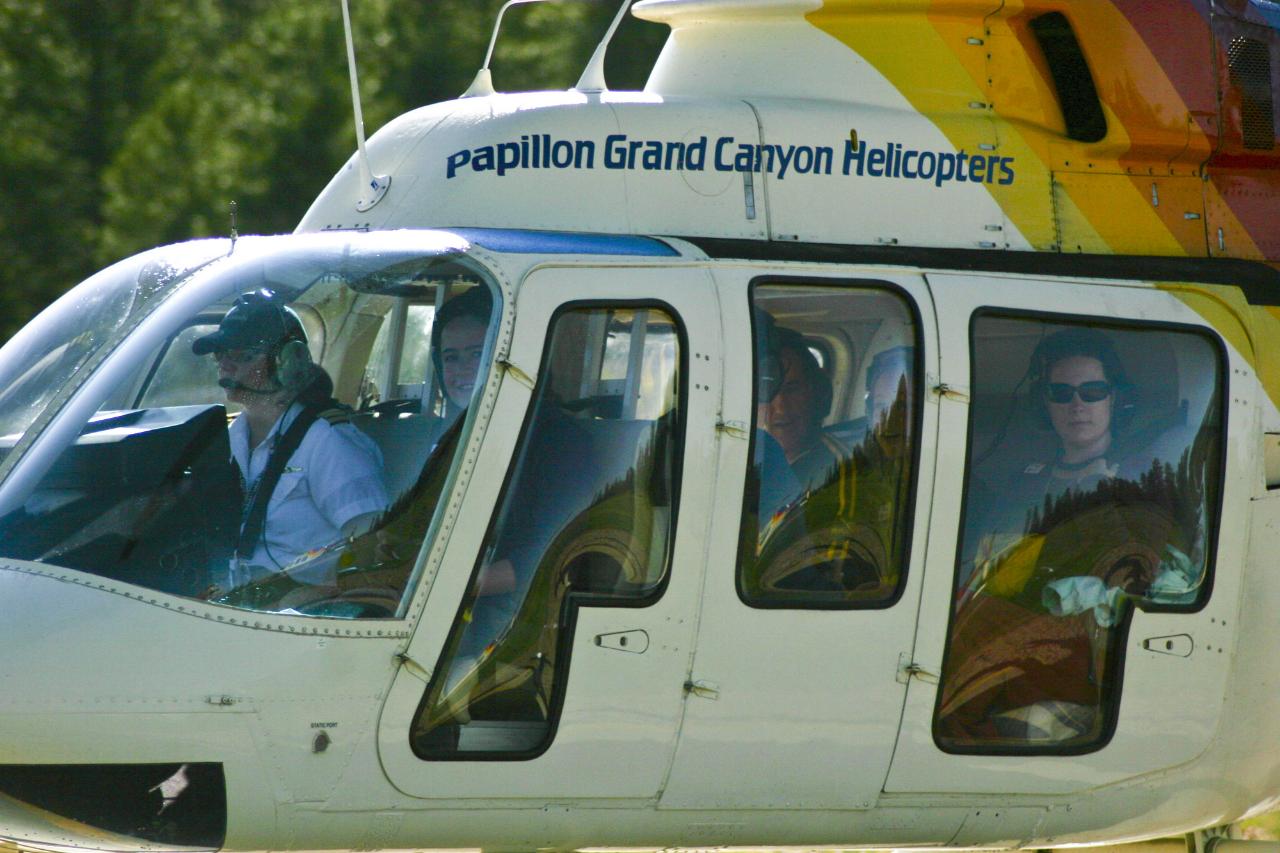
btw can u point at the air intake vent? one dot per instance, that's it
(1077, 94)
(1249, 61)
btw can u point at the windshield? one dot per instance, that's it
(272, 432)
(37, 364)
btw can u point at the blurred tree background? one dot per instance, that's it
(126, 124)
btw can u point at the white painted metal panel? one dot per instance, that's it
(809, 700)
(618, 724)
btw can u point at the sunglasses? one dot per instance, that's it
(1089, 392)
(236, 356)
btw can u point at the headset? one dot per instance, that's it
(280, 331)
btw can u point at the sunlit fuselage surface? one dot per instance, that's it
(132, 478)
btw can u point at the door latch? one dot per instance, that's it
(636, 642)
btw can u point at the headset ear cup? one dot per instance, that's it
(293, 365)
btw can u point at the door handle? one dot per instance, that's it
(636, 641)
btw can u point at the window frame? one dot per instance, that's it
(1113, 686)
(574, 601)
(917, 421)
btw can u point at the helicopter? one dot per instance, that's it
(601, 605)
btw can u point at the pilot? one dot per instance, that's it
(306, 482)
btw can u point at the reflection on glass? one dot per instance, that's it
(586, 517)
(1094, 474)
(826, 507)
(316, 497)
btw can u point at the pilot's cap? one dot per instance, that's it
(257, 320)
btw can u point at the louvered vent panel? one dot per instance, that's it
(1250, 63)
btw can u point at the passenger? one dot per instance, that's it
(794, 415)
(1063, 543)
(306, 483)
(457, 346)
(811, 545)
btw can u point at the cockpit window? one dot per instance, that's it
(1094, 474)
(41, 361)
(827, 505)
(280, 445)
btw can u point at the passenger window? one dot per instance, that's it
(400, 361)
(1094, 474)
(826, 513)
(586, 519)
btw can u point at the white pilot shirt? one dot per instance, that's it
(334, 476)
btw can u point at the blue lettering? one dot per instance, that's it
(823, 160)
(875, 163)
(802, 160)
(696, 155)
(565, 148)
(946, 169)
(508, 157)
(482, 159)
(1006, 171)
(675, 155)
(930, 158)
(785, 156)
(615, 151)
(457, 160)
(852, 156)
(977, 168)
(907, 172)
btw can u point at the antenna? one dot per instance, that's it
(483, 84)
(592, 79)
(234, 233)
(372, 188)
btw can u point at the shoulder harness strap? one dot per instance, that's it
(256, 517)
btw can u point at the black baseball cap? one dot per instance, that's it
(257, 320)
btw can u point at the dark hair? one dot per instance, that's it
(475, 304)
(1082, 342)
(789, 340)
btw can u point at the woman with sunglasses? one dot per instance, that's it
(1055, 552)
(1079, 378)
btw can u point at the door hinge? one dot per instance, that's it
(414, 668)
(702, 689)
(908, 669)
(733, 429)
(516, 373)
(951, 392)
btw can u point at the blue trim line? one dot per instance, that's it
(562, 243)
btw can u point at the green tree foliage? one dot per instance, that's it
(133, 123)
